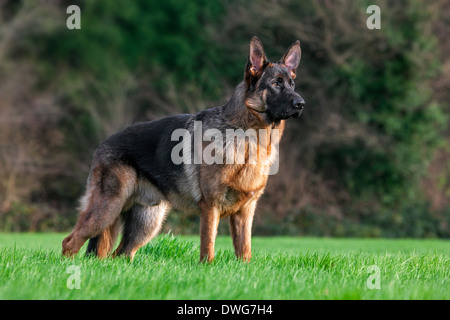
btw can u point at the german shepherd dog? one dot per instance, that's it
(134, 181)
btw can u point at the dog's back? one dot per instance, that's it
(146, 147)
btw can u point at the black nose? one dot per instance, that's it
(299, 103)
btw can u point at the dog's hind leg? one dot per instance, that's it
(142, 223)
(102, 245)
(109, 189)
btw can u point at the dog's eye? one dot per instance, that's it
(278, 82)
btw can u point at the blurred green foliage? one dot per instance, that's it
(162, 57)
(140, 35)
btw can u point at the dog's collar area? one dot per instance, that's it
(275, 123)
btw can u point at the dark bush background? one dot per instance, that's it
(368, 158)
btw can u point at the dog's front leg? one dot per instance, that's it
(241, 231)
(209, 222)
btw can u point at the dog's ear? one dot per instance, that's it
(291, 58)
(257, 59)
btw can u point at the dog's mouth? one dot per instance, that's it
(285, 113)
(297, 113)
(290, 114)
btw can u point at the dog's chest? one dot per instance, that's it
(243, 172)
(242, 183)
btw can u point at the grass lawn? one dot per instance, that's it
(281, 268)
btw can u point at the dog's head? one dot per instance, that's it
(270, 86)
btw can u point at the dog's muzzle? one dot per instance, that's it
(299, 104)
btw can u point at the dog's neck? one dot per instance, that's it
(240, 115)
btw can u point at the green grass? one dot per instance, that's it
(281, 268)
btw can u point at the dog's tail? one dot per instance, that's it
(102, 245)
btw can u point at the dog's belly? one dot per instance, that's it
(183, 202)
(186, 195)
(229, 187)
(149, 195)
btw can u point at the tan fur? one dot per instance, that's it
(107, 238)
(233, 190)
(209, 221)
